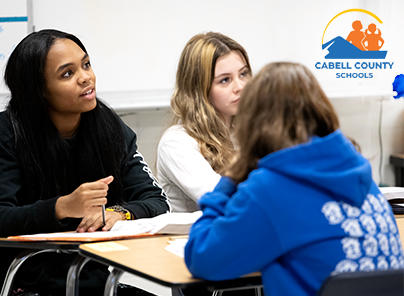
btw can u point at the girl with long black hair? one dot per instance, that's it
(64, 154)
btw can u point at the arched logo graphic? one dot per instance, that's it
(364, 41)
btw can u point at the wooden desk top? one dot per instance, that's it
(148, 259)
(400, 225)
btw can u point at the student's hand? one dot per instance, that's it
(86, 200)
(93, 222)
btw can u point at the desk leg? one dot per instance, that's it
(72, 282)
(14, 266)
(258, 291)
(176, 292)
(112, 282)
(220, 292)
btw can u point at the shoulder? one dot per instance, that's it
(175, 136)
(177, 133)
(4, 117)
(6, 128)
(261, 178)
(177, 129)
(111, 117)
(129, 135)
(127, 131)
(107, 114)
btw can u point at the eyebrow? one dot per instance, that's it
(69, 64)
(226, 74)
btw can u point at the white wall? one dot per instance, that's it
(135, 45)
(359, 119)
(149, 126)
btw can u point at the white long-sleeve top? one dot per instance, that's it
(182, 171)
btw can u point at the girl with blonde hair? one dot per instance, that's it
(212, 72)
(298, 203)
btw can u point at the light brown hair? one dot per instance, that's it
(190, 102)
(283, 105)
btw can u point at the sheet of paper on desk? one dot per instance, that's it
(395, 195)
(177, 246)
(79, 237)
(170, 223)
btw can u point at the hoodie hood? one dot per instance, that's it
(330, 163)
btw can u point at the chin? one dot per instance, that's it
(91, 106)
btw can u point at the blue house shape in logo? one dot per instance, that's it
(339, 48)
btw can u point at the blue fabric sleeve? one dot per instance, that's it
(227, 241)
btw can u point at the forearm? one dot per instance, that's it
(227, 241)
(28, 219)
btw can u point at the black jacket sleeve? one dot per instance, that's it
(16, 218)
(145, 197)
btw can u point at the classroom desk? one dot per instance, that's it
(33, 248)
(400, 225)
(148, 259)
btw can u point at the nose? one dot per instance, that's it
(238, 85)
(84, 77)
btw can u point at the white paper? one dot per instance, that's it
(177, 247)
(391, 193)
(95, 234)
(170, 223)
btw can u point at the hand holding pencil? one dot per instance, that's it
(104, 219)
(86, 200)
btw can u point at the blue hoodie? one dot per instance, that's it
(307, 211)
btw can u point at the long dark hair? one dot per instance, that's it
(51, 165)
(282, 106)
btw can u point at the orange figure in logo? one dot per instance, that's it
(356, 36)
(372, 39)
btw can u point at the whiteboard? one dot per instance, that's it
(15, 24)
(135, 45)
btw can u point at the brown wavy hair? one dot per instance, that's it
(283, 105)
(190, 102)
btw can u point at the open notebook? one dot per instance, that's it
(170, 223)
(395, 196)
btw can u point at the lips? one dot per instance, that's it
(89, 93)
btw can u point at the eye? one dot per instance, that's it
(245, 73)
(225, 80)
(87, 64)
(67, 74)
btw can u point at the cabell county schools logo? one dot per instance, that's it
(363, 42)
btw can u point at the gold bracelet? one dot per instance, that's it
(126, 215)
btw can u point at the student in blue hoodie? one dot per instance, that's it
(298, 203)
